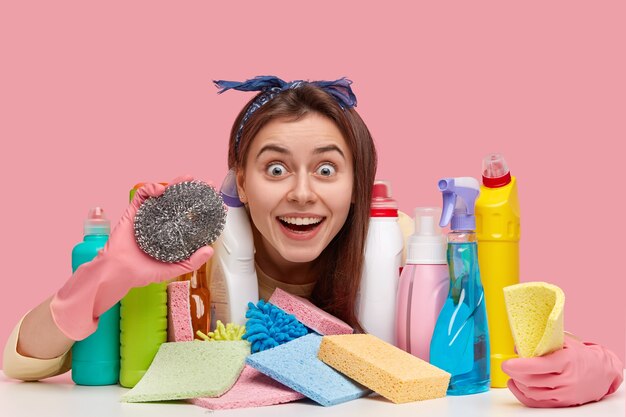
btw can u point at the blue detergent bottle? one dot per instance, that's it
(460, 343)
(96, 359)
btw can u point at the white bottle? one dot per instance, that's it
(376, 303)
(233, 274)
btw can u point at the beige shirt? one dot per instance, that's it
(267, 285)
(31, 369)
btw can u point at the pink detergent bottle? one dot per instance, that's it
(424, 284)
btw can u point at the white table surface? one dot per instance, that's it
(59, 396)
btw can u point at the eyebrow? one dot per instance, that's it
(285, 151)
(275, 148)
(329, 148)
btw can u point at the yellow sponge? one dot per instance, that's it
(383, 368)
(535, 312)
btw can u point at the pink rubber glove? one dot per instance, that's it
(577, 374)
(97, 285)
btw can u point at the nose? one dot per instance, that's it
(302, 192)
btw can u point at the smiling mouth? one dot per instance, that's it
(301, 224)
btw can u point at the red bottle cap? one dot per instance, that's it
(382, 203)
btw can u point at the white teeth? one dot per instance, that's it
(300, 221)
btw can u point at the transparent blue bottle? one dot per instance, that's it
(96, 359)
(460, 343)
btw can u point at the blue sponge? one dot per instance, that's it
(295, 364)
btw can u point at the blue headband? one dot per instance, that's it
(271, 86)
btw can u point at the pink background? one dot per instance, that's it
(96, 97)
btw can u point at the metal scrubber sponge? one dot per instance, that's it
(187, 216)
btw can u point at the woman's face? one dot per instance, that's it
(297, 182)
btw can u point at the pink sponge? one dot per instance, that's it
(252, 389)
(308, 314)
(179, 328)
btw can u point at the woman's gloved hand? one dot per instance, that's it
(577, 374)
(97, 285)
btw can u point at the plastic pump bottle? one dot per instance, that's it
(233, 274)
(423, 285)
(498, 232)
(143, 327)
(460, 343)
(376, 300)
(96, 359)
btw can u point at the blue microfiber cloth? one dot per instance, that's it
(295, 364)
(268, 326)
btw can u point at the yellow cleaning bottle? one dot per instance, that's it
(498, 233)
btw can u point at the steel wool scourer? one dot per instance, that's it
(187, 216)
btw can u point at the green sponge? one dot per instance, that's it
(189, 370)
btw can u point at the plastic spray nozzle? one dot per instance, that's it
(228, 190)
(459, 198)
(425, 221)
(495, 171)
(428, 244)
(97, 223)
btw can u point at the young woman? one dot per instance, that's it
(305, 157)
(305, 165)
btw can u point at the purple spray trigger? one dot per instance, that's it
(459, 199)
(228, 190)
(449, 201)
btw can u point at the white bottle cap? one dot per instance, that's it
(96, 223)
(427, 246)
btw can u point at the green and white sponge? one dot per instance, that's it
(183, 370)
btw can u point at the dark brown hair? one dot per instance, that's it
(340, 264)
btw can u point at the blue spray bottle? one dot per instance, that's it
(460, 343)
(96, 359)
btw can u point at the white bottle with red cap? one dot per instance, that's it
(376, 302)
